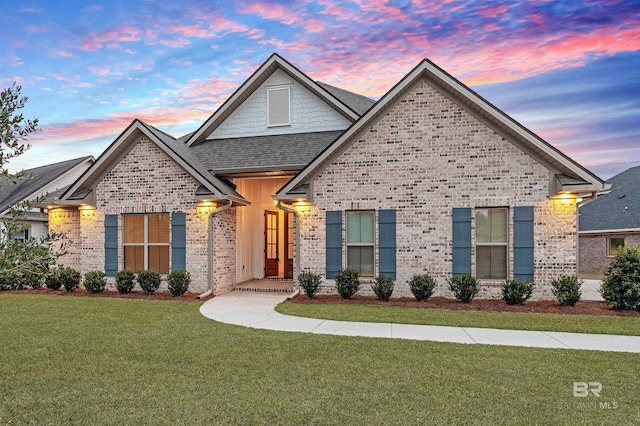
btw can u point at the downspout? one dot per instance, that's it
(296, 254)
(209, 291)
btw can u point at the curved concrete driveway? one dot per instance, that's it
(256, 310)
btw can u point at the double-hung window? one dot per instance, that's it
(361, 241)
(146, 242)
(491, 243)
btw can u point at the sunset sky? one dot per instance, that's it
(567, 70)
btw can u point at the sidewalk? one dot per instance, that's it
(256, 310)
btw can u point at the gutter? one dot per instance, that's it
(296, 254)
(209, 291)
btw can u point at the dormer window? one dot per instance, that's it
(279, 106)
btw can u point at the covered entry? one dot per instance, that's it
(265, 234)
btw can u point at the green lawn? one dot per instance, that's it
(72, 360)
(629, 326)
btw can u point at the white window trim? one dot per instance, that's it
(274, 88)
(146, 244)
(373, 244)
(505, 244)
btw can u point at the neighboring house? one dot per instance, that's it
(610, 221)
(37, 183)
(290, 174)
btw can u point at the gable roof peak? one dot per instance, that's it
(259, 76)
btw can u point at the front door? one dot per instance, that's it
(288, 245)
(271, 259)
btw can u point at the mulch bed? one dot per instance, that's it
(537, 307)
(136, 294)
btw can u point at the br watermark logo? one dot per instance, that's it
(588, 396)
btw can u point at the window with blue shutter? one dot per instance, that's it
(387, 242)
(178, 241)
(334, 243)
(461, 241)
(523, 243)
(111, 244)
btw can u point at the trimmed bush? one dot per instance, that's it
(309, 282)
(422, 286)
(515, 292)
(566, 289)
(125, 281)
(347, 282)
(383, 288)
(179, 281)
(464, 287)
(70, 278)
(95, 281)
(621, 284)
(53, 281)
(149, 281)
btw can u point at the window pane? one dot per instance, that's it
(361, 258)
(159, 259)
(360, 227)
(134, 258)
(134, 229)
(491, 262)
(498, 225)
(158, 228)
(614, 243)
(491, 225)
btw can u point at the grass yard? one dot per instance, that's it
(629, 326)
(72, 360)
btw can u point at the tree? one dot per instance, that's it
(25, 262)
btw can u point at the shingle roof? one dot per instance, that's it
(617, 209)
(34, 181)
(262, 153)
(358, 103)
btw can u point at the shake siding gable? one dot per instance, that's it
(424, 156)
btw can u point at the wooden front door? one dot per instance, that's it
(288, 245)
(271, 258)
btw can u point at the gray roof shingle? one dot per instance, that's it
(358, 103)
(262, 153)
(34, 180)
(617, 209)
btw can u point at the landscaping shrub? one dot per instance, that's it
(179, 281)
(69, 277)
(515, 292)
(53, 281)
(149, 281)
(125, 281)
(464, 287)
(567, 289)
(422, 286)
(95, 281)
(621, 284)
(383, 288)
(13, 281)
(309, 282)
(35, 279)
(347, 282)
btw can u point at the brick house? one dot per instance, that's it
(610, 221)
(291, 174)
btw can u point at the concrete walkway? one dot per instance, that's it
(256, 310)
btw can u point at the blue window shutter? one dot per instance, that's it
(387, 242)
(461, 241)
(111, 244)
(178, 241)
(523, 243)
(334, 243)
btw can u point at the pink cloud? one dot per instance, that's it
(111, 37)
(66, 54)
(493, 12)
